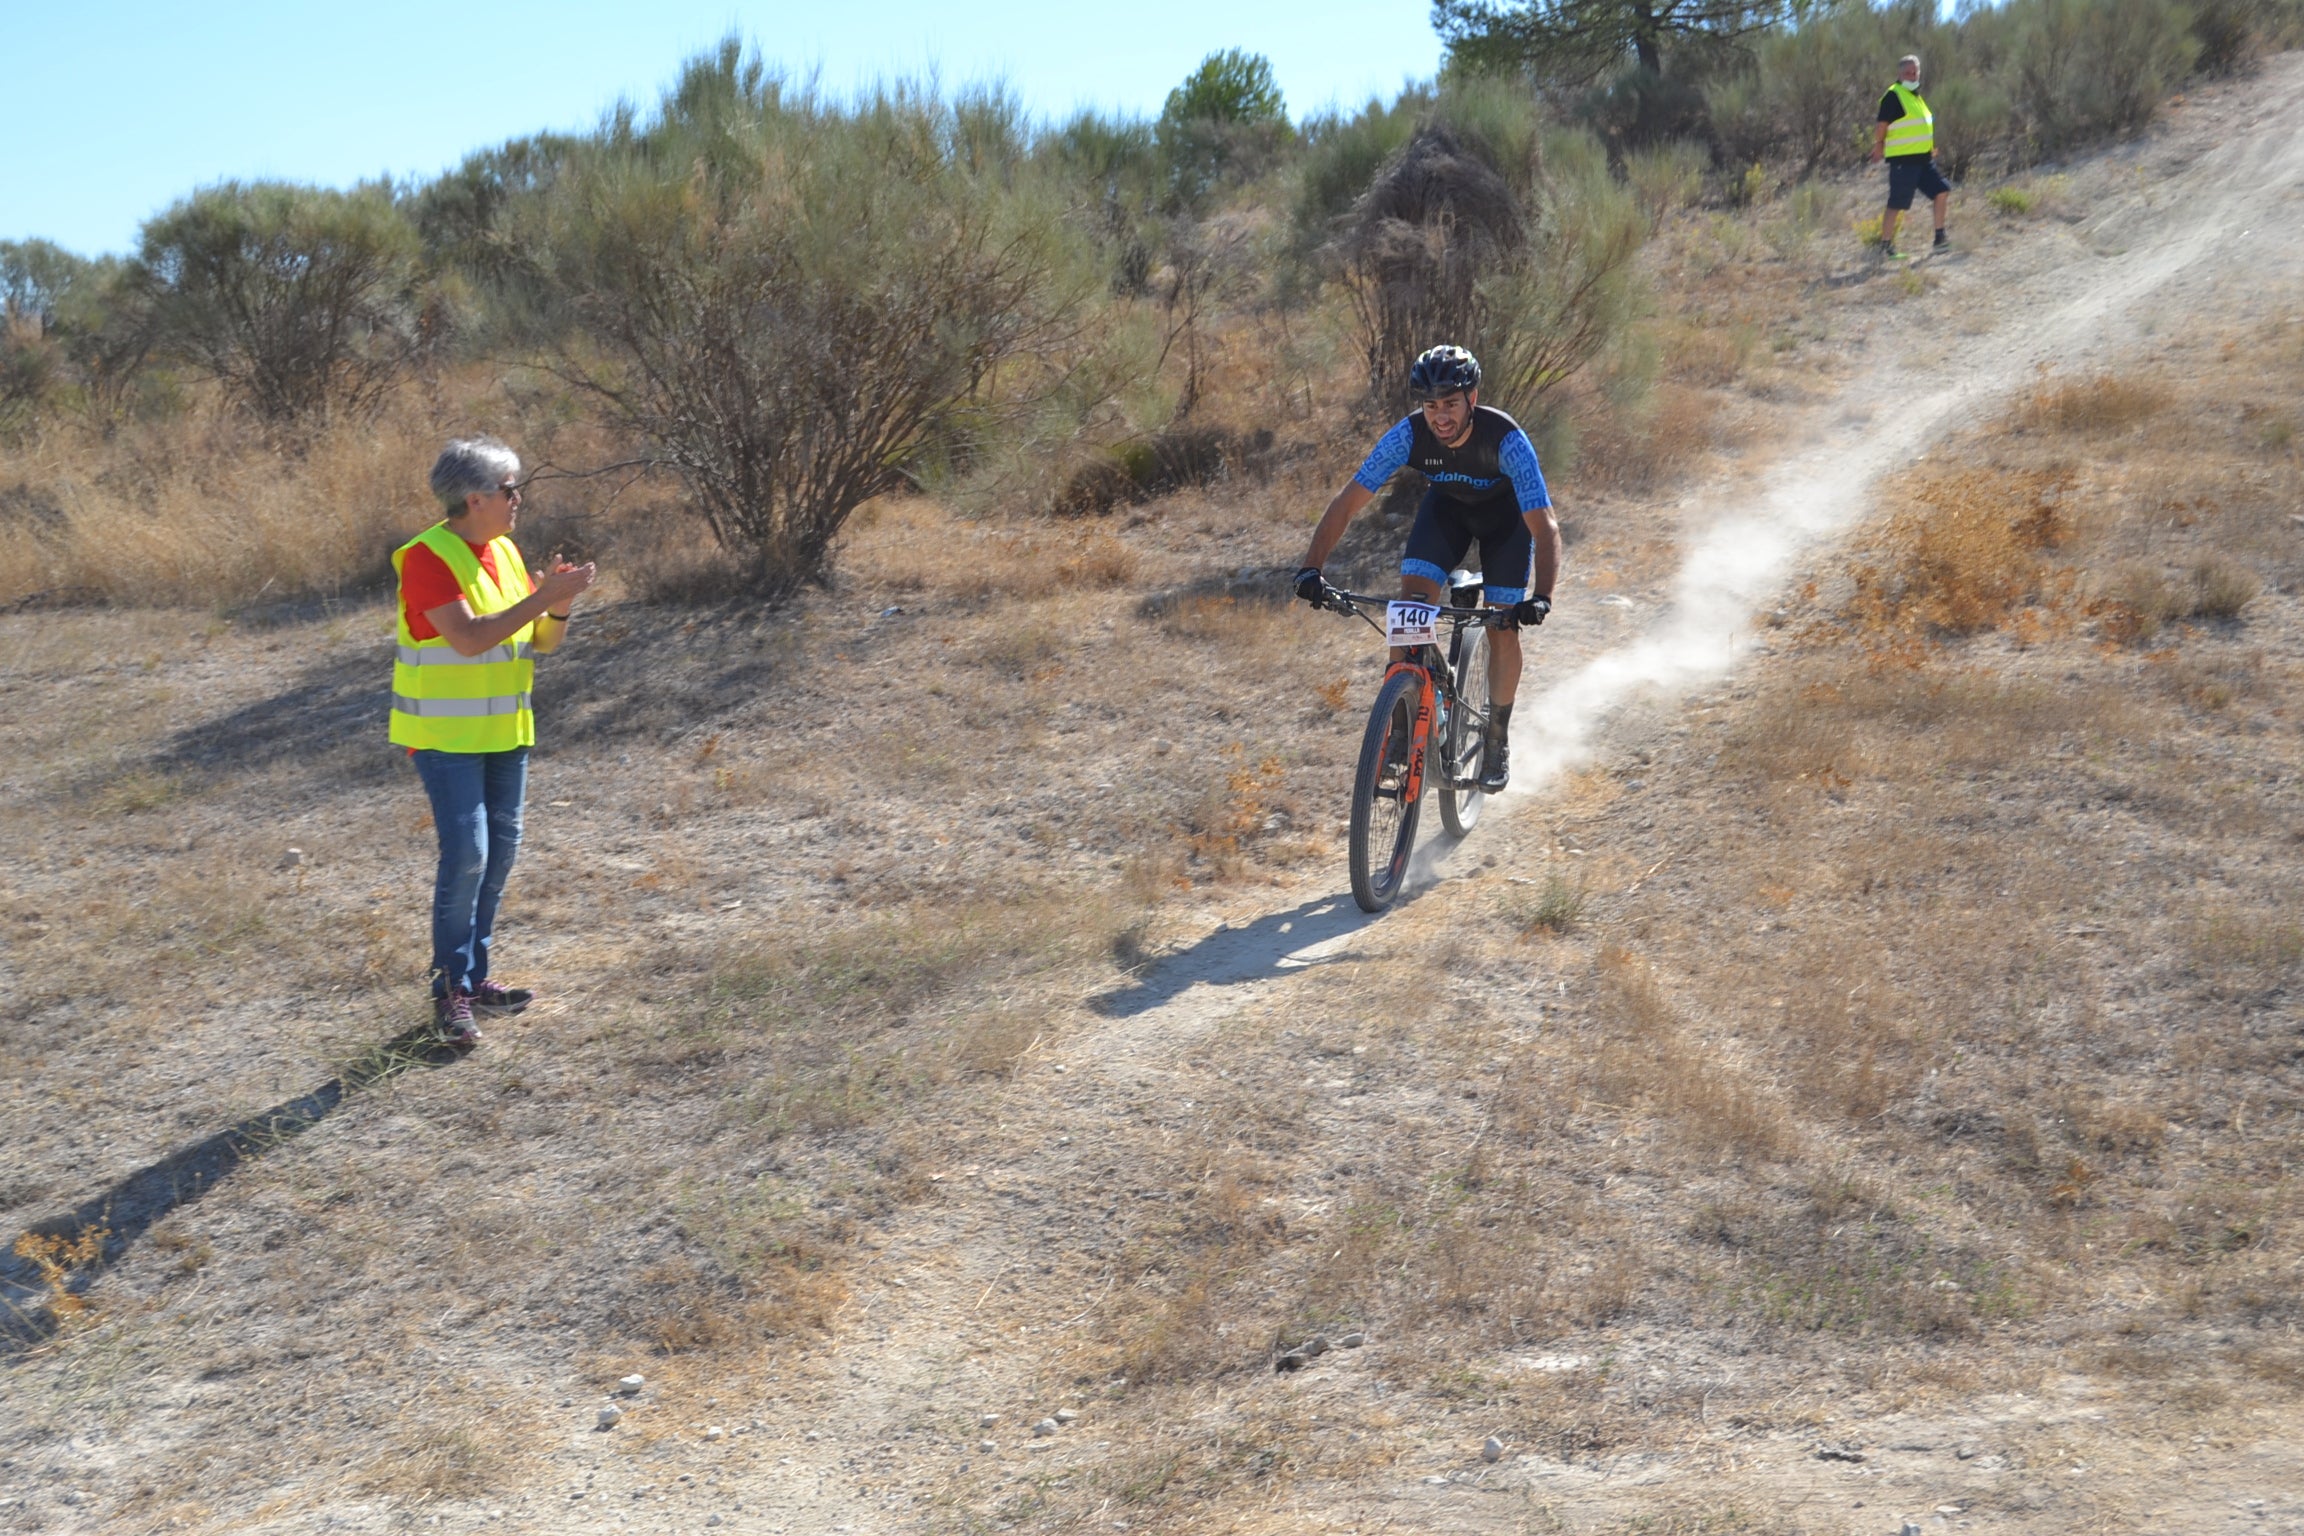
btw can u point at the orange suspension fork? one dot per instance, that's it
(1421, 738)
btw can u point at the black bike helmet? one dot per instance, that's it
(1444, 370)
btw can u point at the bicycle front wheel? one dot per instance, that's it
(1383, 814)
(1467, 733)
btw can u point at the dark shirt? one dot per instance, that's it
(1477, 469)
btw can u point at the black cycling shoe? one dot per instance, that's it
(1495, 766)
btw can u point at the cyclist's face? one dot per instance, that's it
(1449, 415)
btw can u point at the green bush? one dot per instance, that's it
(1341, 157)
(1490, 230)
(2088, 69)
(299, 300)
(1225, 123)
(74, 334)
(795, 303)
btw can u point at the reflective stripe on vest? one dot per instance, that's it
(448, 656)
(459, 709)
(1915, 132)
(446, 702)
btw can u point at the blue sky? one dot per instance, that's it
(112, 110)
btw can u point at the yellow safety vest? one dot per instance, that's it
(446, 702)
(1915, 132)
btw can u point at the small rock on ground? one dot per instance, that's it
(1044, 1428)
(1492, 1450)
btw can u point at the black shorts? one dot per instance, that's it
(1908, 174)
(1446, 528)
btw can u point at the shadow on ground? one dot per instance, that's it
(1273, 945)
(82, 1243)
(628, 670)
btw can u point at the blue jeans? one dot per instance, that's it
(477, 799)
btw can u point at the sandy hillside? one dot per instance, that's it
(1850, 1080)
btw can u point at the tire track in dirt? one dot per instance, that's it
(2214, 198)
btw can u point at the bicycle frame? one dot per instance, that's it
(1438, 679)
(1421, 737)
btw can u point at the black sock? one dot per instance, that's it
(1502, 716)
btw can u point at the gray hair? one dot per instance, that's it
(1912, 59)
(471, 466)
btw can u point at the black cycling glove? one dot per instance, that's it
(1530, 610)
(1310, 587)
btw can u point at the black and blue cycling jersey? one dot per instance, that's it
(1481, 490)
(1496, 451)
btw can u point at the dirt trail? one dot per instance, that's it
(941, 1331)
(2212, 201)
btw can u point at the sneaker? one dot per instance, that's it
(452, 1017)
(1888, 251)
(1941, 242)
(1495, 766)
(489, 997)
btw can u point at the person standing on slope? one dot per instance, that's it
(1485, 485)
(1905, 137)
(471, 618)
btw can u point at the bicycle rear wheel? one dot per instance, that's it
(1383, 818)
(1467, 733)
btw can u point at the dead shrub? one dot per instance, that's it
(1027, 650)
(2113, 1126)
(2221, 588)
(1153, 466)
(1967, 558)
(2137, 601)
(1230, 819)
(1554, 905)
(2100, 406)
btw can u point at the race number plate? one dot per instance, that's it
(1412, 623)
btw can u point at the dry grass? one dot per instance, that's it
(1929, 1044)
(2103, 406)
(1912, 1057)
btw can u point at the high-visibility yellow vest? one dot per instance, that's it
(1915, 132)
(446, 702)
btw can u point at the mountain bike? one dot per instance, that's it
(1430, 695)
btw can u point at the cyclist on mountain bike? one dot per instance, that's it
(1486, 486)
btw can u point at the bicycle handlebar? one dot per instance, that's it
(1341, 601)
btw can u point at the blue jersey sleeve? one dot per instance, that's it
(1390, 452)
(1516, 456)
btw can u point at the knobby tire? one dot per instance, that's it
(1383, 828)
(1460, 808)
